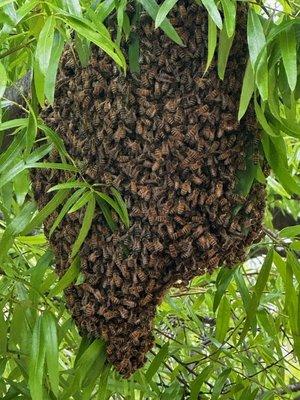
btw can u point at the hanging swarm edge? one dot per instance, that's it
(170, 142)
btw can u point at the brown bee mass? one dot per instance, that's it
(170, 142)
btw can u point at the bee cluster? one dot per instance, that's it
(169, 141)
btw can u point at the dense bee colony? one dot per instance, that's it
(170, 142)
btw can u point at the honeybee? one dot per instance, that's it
(171, 105)
(146, 299)
(172, 250)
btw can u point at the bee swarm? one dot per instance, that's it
(170, 142)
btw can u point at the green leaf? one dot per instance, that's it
(86, 224)
(157, 361)
(134, 54)
(225, 44)
(262, 279)
(69, 185)
(51, 349)
(46, 211)
(198, 382)
(219, 384)
(223, 319)
(290, 231)
(212, 42)
(247, 90)
(69, 277)
(213, 11)
(36, 363)
(44, 44)
(288, 48)
(124, 213)
(100, 39)
(225, 276)
(255, 35)
(107, 213)
(81, 201)
(15, 227)
(163, 11)
(57, 48)
(152, 9)
(46, 165)
(65, 209)
(3, 80)
(229, 8)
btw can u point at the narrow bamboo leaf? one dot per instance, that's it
(46, 211)
(229, 8)
(262, 119)
(107, 213)
(262, 75)
(163, 11)
(103, 380)
(3, 333)
(69, 185)
(69, 277)
(13, 123)
(134, 54)
(223, 319)
(225, 44)
(288, 48)
(82, 46)
(3, 80)
(83, 366)
(224, 278)
(36, 363)
(74, 7)
(55, 139)
(212, 42)
(198, 382)
(86, 224)
(39, 83)
(213, 11)
(15, 227)
(46, 165)
(69, 203)
(120, 18)
(31, 131)
(123, 207)
(257, 293)
(157, 361)
(273, 151)
(247, 90)
(110, 201)
(98, 38)
(21, 186)
(152, 9)
(290, 231)
(51, 349)
(255, 35)
(11, 153)
(81, 202)
(44, 44)
(58, 45)
(219, 384)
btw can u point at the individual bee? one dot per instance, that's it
(120, 133)
(256, 158)
(186, 188)
(172, 250)
(157, 246)
(113, 86)
(147, 299)
(171, 105)
(141, 275)
(89, 309)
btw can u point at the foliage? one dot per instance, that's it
(232, 335)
